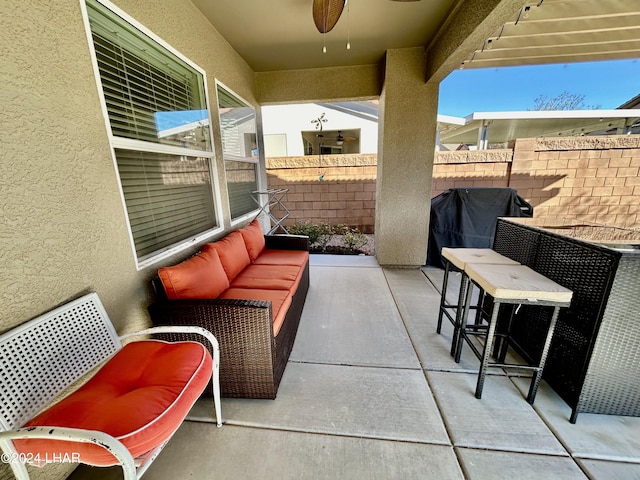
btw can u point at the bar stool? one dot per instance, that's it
(515, 285)
(459, 257)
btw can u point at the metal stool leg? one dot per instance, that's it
(460, 309)
(456, 320)
(502, 345)
(443, 295)
(464, 315)
(487, 349)
(478, 319)
(537, 375)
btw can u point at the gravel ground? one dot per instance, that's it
(368, 248)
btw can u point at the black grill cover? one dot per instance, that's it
(466, 217)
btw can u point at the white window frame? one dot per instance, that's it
(249, 215)
(137, 145)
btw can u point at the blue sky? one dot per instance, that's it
(608, 84)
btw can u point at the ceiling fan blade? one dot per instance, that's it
(326, 14)
(341, 138)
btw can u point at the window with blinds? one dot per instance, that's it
(168, 198)
(241, 183)
(240, 151)
(157, 111)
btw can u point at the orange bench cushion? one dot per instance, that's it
(270, 277)
(140, 396)
(283, 257)
(201, 276)
(253, 239)
(233, 253)
(280, 301)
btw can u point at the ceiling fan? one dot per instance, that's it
(340, 139)
(326, 13)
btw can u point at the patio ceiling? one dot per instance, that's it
(273, 36)
(281, 35)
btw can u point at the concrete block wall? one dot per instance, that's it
(580, 179)
(568, 180)
(471, 168)
(336, 189)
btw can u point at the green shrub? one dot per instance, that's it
(312, 230)
(340, 229)
(320, 234)
(354, 240)
(325, 236)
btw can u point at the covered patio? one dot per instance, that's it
(371, 392)
(61, 184)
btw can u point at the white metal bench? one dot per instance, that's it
(42, 358)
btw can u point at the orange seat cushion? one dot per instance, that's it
(140, 397)
(233, 253)
(283, 257)
(270, 277)
(280, 301)
(253, 239)
(201, 276)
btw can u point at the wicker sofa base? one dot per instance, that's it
(252, 360)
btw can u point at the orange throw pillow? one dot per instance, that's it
(201, 276)
(253, 239)
(233, 253)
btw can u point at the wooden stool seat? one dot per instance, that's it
(459, 257)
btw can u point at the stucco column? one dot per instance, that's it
(406, 150)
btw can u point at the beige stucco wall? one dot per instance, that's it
(64, 228)
(406, 147)
(319, 84)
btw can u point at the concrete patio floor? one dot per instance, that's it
(371, 392)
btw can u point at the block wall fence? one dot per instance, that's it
(568, 180)
(336, 189)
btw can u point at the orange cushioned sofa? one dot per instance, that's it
(248, 289)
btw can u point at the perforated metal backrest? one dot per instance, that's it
(43, 357)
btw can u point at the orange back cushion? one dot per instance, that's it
(233, 253)
(253, 239)
(201, 276)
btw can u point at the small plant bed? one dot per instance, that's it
(334, 239)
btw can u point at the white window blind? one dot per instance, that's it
(159, 122)
(240, 151)
(241, 182)
(168, 198)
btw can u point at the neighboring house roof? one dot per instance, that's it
(365, 110)
(633, 103)
(505, 126)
